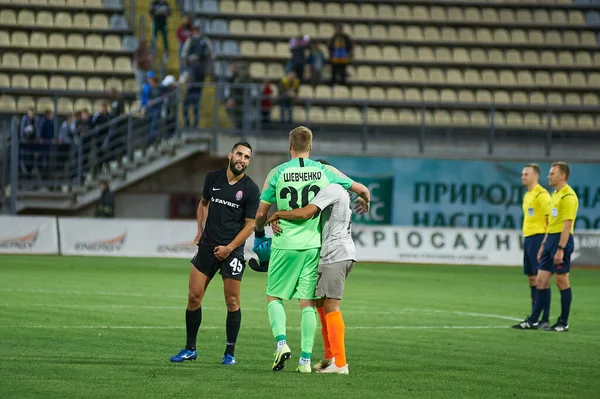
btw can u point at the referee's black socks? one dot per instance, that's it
(193, 318)
(232, 326)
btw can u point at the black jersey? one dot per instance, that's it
(229, 206)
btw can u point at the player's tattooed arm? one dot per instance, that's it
(261, 216)
(304, 213)
(363, 192)
(201, 214)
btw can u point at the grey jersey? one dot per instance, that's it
(336, 222)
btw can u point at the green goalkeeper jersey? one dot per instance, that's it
(293, 185)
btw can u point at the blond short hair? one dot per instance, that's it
(564, 168)
(301, 139)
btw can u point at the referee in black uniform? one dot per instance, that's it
(233, 199)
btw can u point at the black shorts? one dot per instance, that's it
(233, 267)
(531, 247)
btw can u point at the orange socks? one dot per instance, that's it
(328, 353)
(335, 329)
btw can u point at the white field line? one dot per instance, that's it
(348, 310)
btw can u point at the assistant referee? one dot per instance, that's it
(558, 246)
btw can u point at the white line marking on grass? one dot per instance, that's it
(254, 328)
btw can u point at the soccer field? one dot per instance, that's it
(74, 327)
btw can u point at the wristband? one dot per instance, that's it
(559, 247)
(259, 234)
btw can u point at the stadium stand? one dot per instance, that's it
(73, 47)
(447, 62)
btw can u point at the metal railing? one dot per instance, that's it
(111, 149)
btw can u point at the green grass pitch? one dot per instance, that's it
(75, 327)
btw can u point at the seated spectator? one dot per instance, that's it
(289, 92)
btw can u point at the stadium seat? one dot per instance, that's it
(7, 103)
(58, 83)
(75, 41)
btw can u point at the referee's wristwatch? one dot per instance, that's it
(559, 247)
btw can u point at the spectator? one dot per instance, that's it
(153, 104)
(45, 138)
(289, 92)
(160, 11)
(266, 103)
(235, 102)
(298, 47)
(169, 107)
(117, 106)
(100, 119)
(28, 135)
(199, 46)
(142, 63)
(196, 76)
(66, 137)
(184, 31)
(106, 204)
(340, 51)
(316, 60)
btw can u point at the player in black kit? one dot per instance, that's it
(233, 199)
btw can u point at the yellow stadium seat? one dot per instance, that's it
(532, 120)
(99, 21)
(555, 99)
(585, 122)
(414, 33)
(112, 42)
(76, 83)
(501, 97)
(401, 74)
(472, 14)
(524, 78)
(482, 35)
(467, 35)
(45, 19)
(257, 70)
(397, 32)
(129, 85)
(38, 82)
(513, 57)
(66, 62)
(466, 97)
(589, 39)
(590, 99)
(82, 103)
(472, 76)
(420, 13)
(459, 118)
(530, 57)
(364, 72)
(518, 36)
(541, 16)
(507, 78)
(29, 61)
(388, 116)
(326, 29)
(57, 2)
(275, 69)
(334, 115)
(45, 104)
(280, 8)
(439, 14)
(298, 8)
(361, 31)
(573, 99)
(494, 56)
(307, 28)
(81, 21)
(19, 39)
(413, 95)
(379, 32)
(254, 28)
(454, 76)
(48, 62)
(281, 49)
(7, 103)
(353, 115)
(237, 27)
(376, 94)
(418, 75)
(501, 36)
(448, 96)
(489, 77)
(323, 92)
(38, 40)
(542, 78)
(460, 55)
(443, 54)
(483, 96)
(408, 53)
(390, 53)
(570, 38)
(93, 3)
(94, 42)
(582, 58)
(245, 7)
(565, 58)
(85, 63)
(19, 81)
(520, 97)
(560, 79)
(25, 18)
(315, 8)
(395, 94)
(537, 98)
(75, 41)
(479, 118)
(291, 29)
(57, 40)
(4, 80)
(95, 84)
(122, 64)
(567, 121)
(373, 116)
(58, 82)
(359, 93)
(305, 91)
(24, 103)
(316, 114)
(577, 79)
(385, 11)
(341, 93)
(7, 17)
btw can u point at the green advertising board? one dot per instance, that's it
(382, 191)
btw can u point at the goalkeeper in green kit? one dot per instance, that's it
(293, 263)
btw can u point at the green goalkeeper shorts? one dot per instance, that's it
(293, 273)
